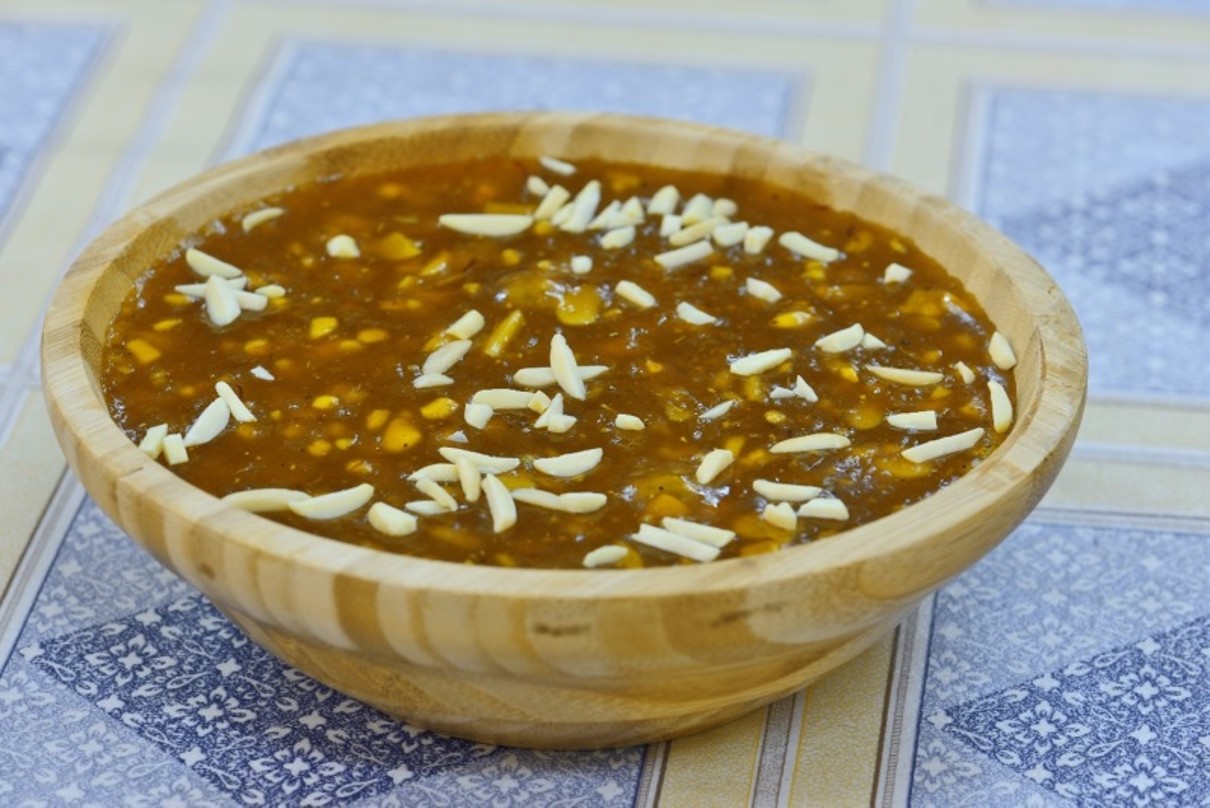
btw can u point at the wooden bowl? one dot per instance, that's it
(576, 658)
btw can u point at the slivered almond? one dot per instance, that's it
(560, 216)
(583, 208)
(174, 449)
(669, 224)
(499, 503)
(684, 255)
(561, 423)
(717, 411)
(780, 515)
(816, 442)
(239, 410)
(675, 543)
(712, 465)
(552, 203)
(271, 290)
(207, 265)
(618, 237)
(466, 326)
(563, 365)
(757, 238)
(921, 421)
(582, 501)
(964, 372)
(752, 364)
(663, 201)
(693, 315)
(199, 289)
(843, 340)
(427, 380)
(437, 472)
(435, 492)
(709, 534)
(633, 293)
(632, 211)
(334, 504)
(871, 342)
(553, 410)
(536, 185)
(1002, 407)
(426, 507)
(804, 247)
(265, 500)
(943, 446)
(538, 497)
(390, 520)
(259, 217)
(343, 246)
(698, 208)
(486, 464)
(804, 390)
(824, 508)
(604, 556)
(545, 377)
(762, 290)
(221, 305)
(608, 218)
(896, 273)
(468, 478)
(917, 378)
(445, 357)
(785, 492)
(729, 234)
(503, 398)
(262, 374)
(487, 224)
(1001, 352)
(477, 415)
(538, 402)
(209, 424)
(153, 440)
(572, 464)
(724, 207)
(554, 164)
(581, 264)
(693, 233)
(629, 422)
(250, 301)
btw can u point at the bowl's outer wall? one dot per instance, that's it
(566, 658)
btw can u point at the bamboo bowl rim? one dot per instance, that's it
(1041, 433)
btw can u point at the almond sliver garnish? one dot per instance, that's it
(698, 207)
(477, 415)
(1002, 407)
(445, 357)
(675, 543)
(427, 380)
(199, 289)
(729, 234)
(941, 447)
(804, 247)
(265, 500)
(554, 200)
(503, 398)
(906, 376)
(545, 377)
(222, 307)
(629, 422)
(390, 521)
(582, 501)
(632, 292)
(563, 365)
(762, 290)
(153, 440)
(426, 507)
(824, 508)
(896, 273)
(684, 255)
(693, 315)
(618, 237)
(583, 208)
(487, 224)
(536, 185)
(554, 164)
(663, 201)
(840, 341)
(785, 492)
(964, 372)
(438, 472)
(435, 492)
(712, 465)
(714, 536)
(780, 515)
(499, 503)
(538, 497)
(923, 420)
(753, 364)
(572, 464)
(466, 326)
(259, 217)
(207, 265)
(239, 410)
(717, 411)
(756, 239)
(816, 442)
(334, 504)
(1001, 352)
(486, 464)
(209, 423)
(604, 556)
(174, 449)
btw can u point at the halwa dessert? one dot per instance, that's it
(554, 365)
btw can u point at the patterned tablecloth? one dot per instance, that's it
(1072, 666)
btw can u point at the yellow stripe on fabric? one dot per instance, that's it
(713, 768)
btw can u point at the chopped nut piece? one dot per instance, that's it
(258, 217)
(840, 341)
(924, 420)
(785, 492)
(335, 504)
(435, 492)
(426, 507)
(724, 207)
(503, 398)
(670, 224)
(209, 424)
(583, 208)
(554, 164)
(693, 315)
(262, 374)
(632, 292)
(1001, 352)
(390, 520)
(712, 465)
(239, 410)
(486, 464)
(699, 208)
(581, 264)
(693, 233)
(762, 290)
(943, 446)
(427, 380)
(729, 234)
(804, 390)
(608, 218)
(964, 372)
(445, 357)
(618, 237)
(629, 422)
(221, 305)
(1002, 406)
(824, 508)
(437, 472)
(199, 289)
(896, 273)
(632, 211)
(684, 255)
(816, 442)
(553, 410)
(466, 326)
(538, 497)
(563, 365)
(271, 291)
(209, 266)
(545, 377)
(499, 503)
(265, 500)
(756, 239)
(153, 440)
(663, 201)
(708, 534)
(756, 363)
(906, 376)
(582, 501)
(174, 449)
(675, 543)
(554, 201)
(536, 185)
(605, 556)
(487, 224)
(343, 246)
(804, 247)
(780, 515)
(717, 411)
(477, 415)
(871, 342)
(572, 464)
